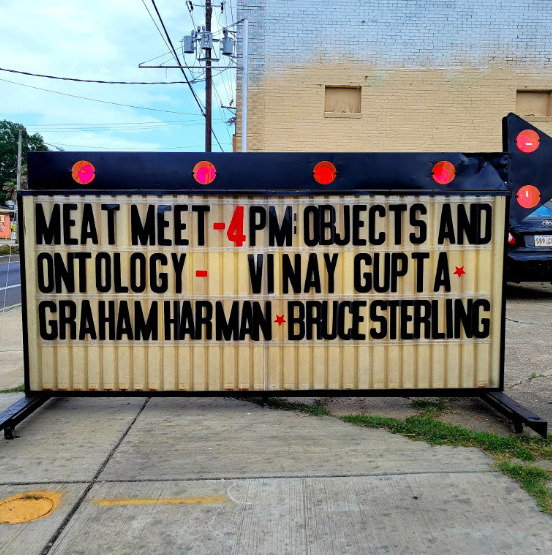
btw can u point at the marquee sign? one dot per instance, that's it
(374, 273)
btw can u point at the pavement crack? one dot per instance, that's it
(250, 478)
(528, 380)
(94, 480)
(519, 321)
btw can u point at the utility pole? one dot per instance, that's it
(208, 82)
(19, 149)
(245, 76)
(205, 48)
(18, 182)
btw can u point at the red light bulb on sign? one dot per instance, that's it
(204, 172)
(324, 173)
(528, 196)
(83, 172)
(443, 172)
(528, 141)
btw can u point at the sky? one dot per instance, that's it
(107, 40)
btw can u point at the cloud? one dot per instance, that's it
(106, 40)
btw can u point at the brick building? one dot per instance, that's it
(394, 75)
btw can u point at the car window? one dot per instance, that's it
(545, 211)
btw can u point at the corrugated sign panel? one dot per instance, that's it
(215, 293)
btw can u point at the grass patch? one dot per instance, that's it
(532, 479)
(430, 407)
(18, 389)
(426, 428)
(318, 407)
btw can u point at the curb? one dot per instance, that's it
(9, 258)
(10, 308)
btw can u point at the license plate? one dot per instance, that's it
(543, 240)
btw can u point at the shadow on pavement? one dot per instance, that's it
(537, 291)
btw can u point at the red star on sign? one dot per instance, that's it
(280, 320)
(459, 271)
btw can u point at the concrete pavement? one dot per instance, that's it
(173, 475)
(226, 476)
(11, 348)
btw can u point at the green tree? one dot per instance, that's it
(9, 135)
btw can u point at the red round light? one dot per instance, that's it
(443, 172)
(528, 196)
(204, 172)
(324, 173)
(83, 172)
(528, 141)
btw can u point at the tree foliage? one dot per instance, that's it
(9, 136)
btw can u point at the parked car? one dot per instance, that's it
(530, 247)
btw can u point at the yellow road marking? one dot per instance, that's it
(166, 501)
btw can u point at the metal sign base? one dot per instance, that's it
(513, 411)
(518, 414)
(18, 412)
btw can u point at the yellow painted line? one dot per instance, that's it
(202, 500)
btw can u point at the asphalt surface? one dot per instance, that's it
(10, 281)
(174, 475)
(528, 366)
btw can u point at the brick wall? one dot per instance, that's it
(434, 75)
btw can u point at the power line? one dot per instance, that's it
(98, 100)
(156, 58)
(218, 32)
(177, 58)
(92, 80)
(119, 129)
(130, 124)
(116, 149)
(200, 79)
(115, 124)
(190, 7)
(228, 88)
(113, 130)
(112, 123)
(231, 10)
(182, 69)
(220, 109)
(156, 26)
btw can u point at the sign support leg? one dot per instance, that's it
(515, 412)
(18, 412)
